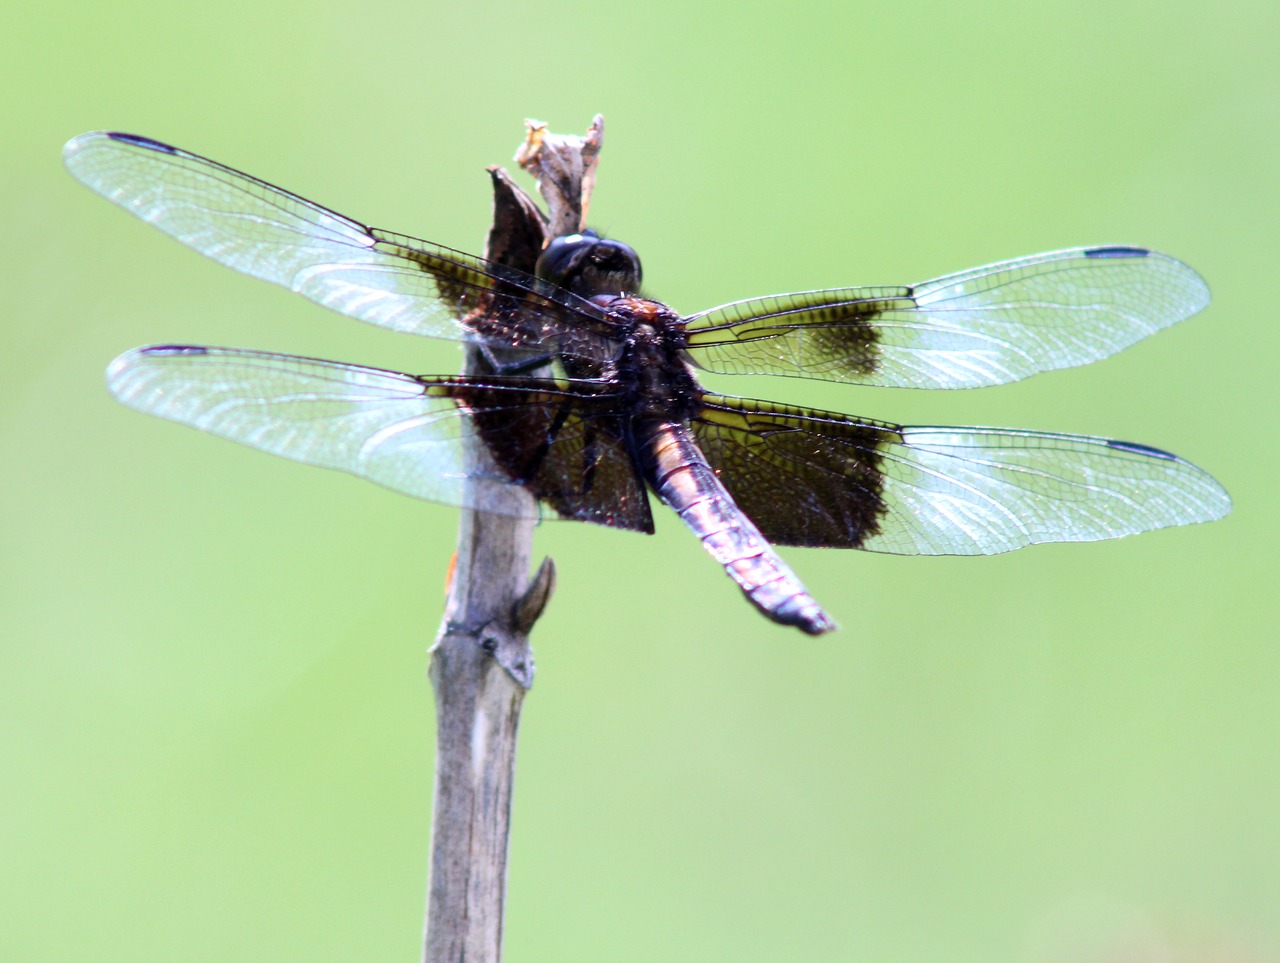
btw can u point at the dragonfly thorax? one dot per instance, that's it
(652, 369)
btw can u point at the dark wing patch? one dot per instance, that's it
(819, 478)
(804, 477)
(827, 335)
(989, 325)
(560, 441)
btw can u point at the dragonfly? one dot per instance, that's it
(594, 402)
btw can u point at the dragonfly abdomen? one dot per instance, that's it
(679, 473)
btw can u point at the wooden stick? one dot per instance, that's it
(481, 663)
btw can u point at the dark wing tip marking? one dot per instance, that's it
(1138, 449)
(138, 140)
(173, 350)
(1118, 250)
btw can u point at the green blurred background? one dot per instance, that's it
(215, 728)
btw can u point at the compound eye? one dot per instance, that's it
(589, 265)
(562, 255)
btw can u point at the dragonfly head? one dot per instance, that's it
(589, 265)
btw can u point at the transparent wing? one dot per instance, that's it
(989, 325)
(965, 491)
(817, 478)
(459, 441)
(390, 280)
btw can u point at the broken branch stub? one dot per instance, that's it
(565, 166)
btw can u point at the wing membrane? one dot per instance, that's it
(390, 280)
(817, 478)
(989, 325)
(405, 432)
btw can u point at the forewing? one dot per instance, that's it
(391, 280)
(817, 478)
(460, 441)
(990, 325)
